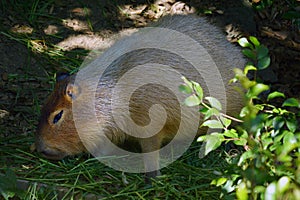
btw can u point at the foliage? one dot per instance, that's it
(293, 13)
(261, 4)
(8, 185)
(288, 9)
(269, 165)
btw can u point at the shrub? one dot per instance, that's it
(268, 165)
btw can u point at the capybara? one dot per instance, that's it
(57, 134)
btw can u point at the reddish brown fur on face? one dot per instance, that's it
(57, 140)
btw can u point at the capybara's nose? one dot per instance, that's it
(47, 152)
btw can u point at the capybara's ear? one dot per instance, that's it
(61, 76)
(72, 91)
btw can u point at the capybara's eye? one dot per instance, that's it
(57, 117)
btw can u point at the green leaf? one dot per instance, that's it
(229, 186)
(213, 124)
(270, 193)
(278, 123)
(275, 95)
(291, 15)
(254, 40)
(249, 54)
(245, 111)
(244, 134)
(226, 122)
(290, 143)
(240, 142)
(203, 110)
(242, 191)
(246, 155)
(211, 112)
(231, 133)
(185, 89)
(243, 42)
(259, 189)
(198, 89)
(259, 107)
(283, 184)
(221, 181)
(289, 139)
(257, 89)
(244, 80)
(262, 52)
(187, 82)
(213, 182)
(215, 103)
(213, 141)
(291, 102)
(263, 63)
(201, 138)
(8, 184)
(279, 111)
(266, 142)
(257, 122)
(292, 124)
(192, 100)
(249, 67)
(207, 12)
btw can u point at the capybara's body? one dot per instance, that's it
(57, 135)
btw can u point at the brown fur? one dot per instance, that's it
(56, 141)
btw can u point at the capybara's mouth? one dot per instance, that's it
(53, 154)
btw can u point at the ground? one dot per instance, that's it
(39, 39)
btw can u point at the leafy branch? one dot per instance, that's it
(269, 166)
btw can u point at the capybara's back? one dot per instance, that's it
(129, 97)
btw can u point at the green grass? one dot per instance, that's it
(187, 178)
(27, 87)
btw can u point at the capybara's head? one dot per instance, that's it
(56, 135)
